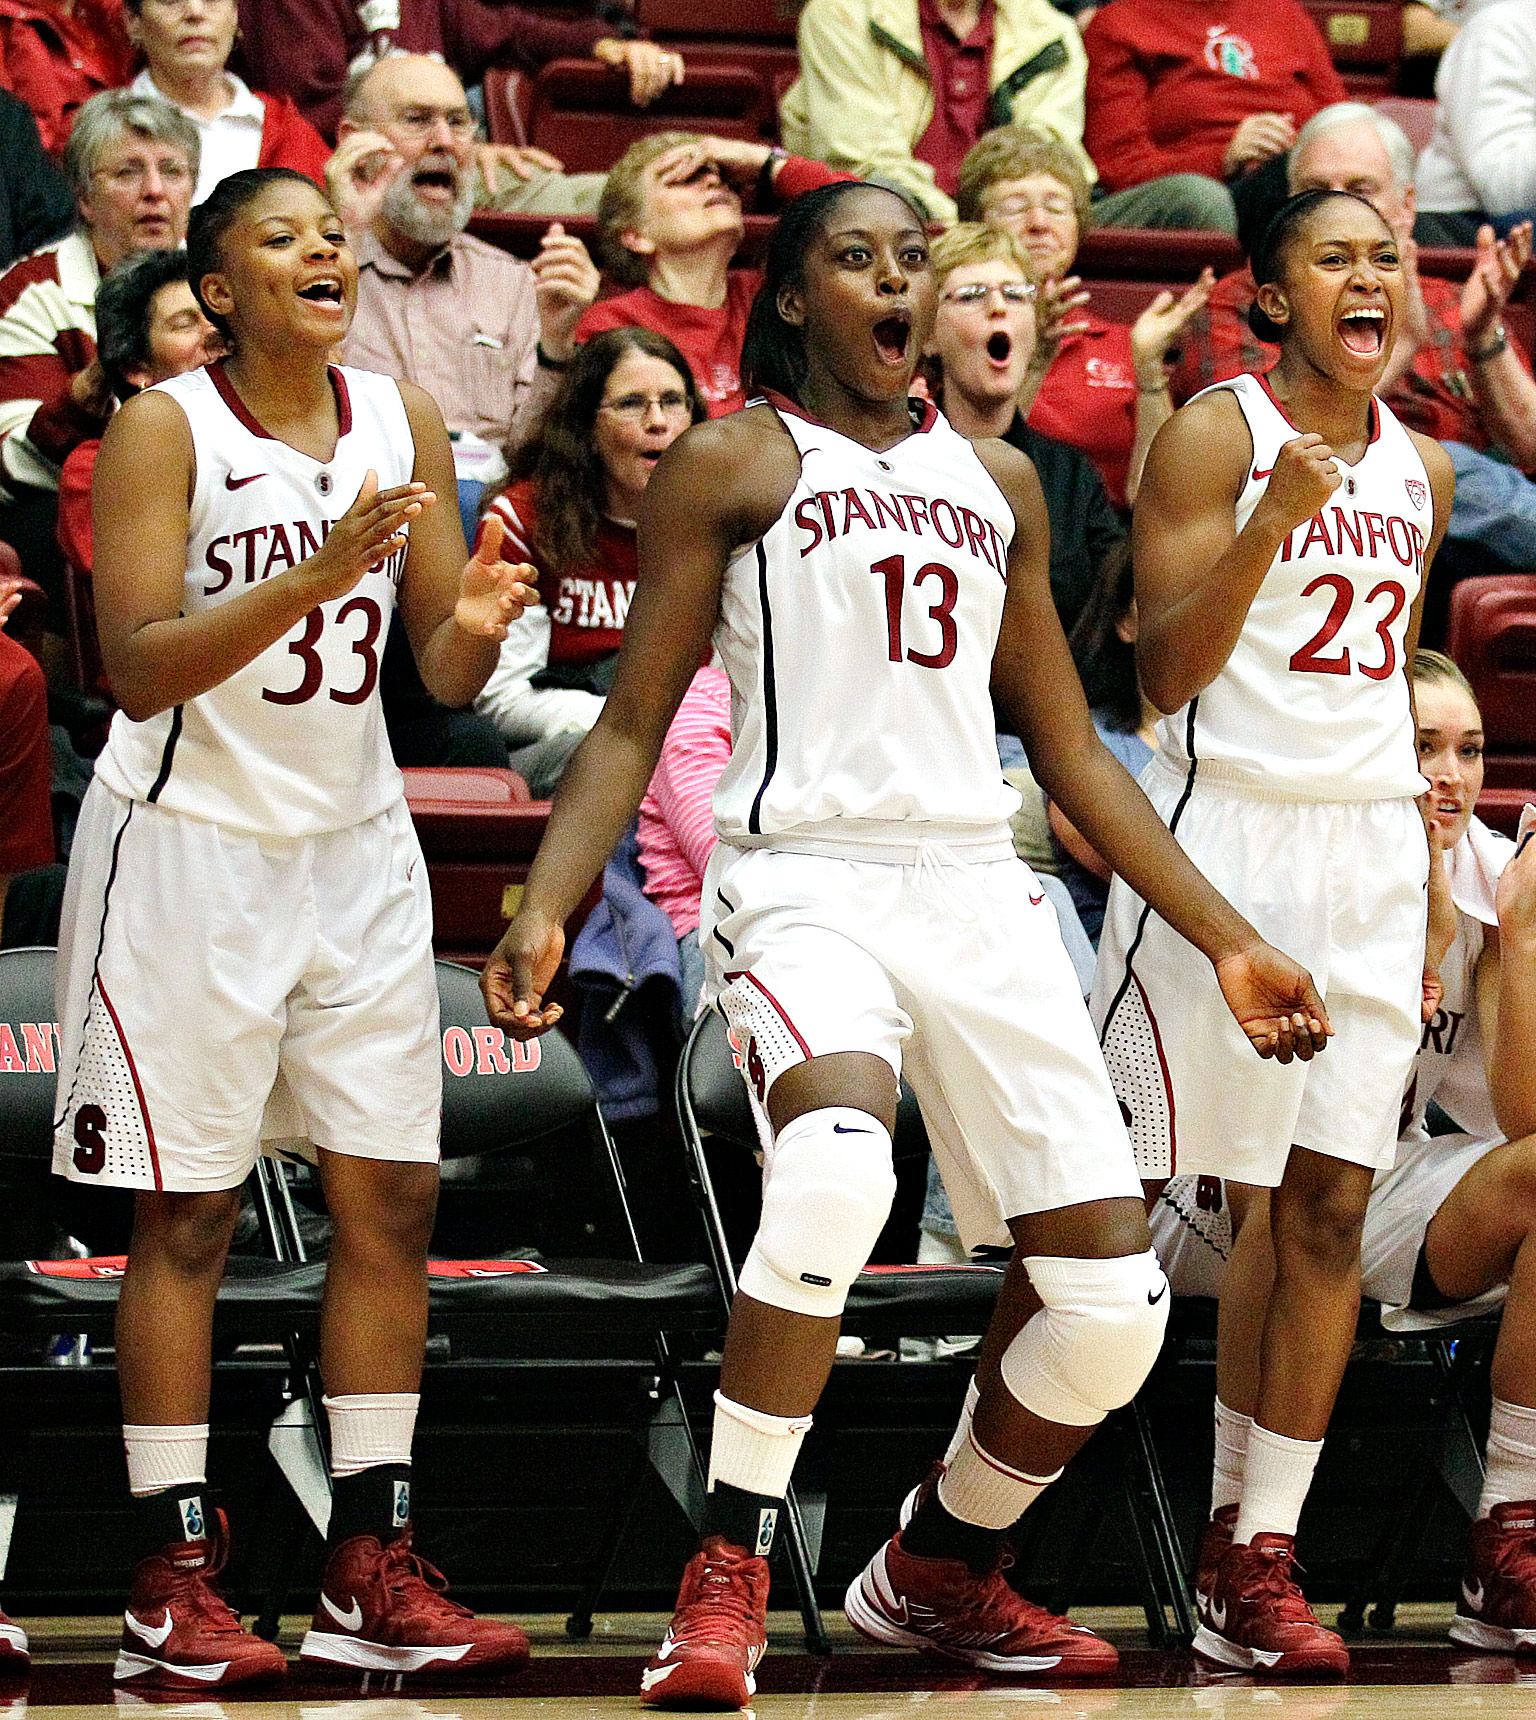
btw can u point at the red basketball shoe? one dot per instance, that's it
(178, 1632)
(1213, 1546)
(1258, 1620)
(717, 1635)
(383, 1607)
(942, 1608)
(1498, 1593)
(14, 1653)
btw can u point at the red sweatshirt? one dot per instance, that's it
(709, 337)
(1168, 84)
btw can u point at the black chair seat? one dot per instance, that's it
(258, 1298)
(599, 1296)
(921, 1300)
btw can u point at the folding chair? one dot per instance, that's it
(534, 1103)
(888, 1302)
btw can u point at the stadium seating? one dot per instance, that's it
(1415, 114)
(579, 110)
(1492, 636)
(891, 1302)
(1365, 41)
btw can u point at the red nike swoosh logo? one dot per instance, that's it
(1257, 474)
(231, 482)
(1035, 901)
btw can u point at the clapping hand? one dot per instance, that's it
(493, 593)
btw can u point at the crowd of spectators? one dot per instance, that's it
(562, 379)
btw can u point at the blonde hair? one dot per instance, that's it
(621, 208)
(1020, 152)
(1435, 668)
(969, 242)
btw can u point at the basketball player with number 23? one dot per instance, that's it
(1281, 536)
(247, 909)
(872, 581)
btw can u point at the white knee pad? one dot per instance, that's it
(1088, 1350)
(827, 1191)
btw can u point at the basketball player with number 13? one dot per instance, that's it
(1282, 531)
(871, 580)
(247, 906)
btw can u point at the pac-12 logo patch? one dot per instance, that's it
(1417, 493)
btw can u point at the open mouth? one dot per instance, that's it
(1000, 346)
(438, 181)
(1363, 330)
(326, 291)
(892, 335)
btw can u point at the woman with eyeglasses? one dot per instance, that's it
(186, 45)
(1099, 385)
(570, 512)
(978, 360)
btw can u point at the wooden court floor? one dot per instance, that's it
(1416, 1674)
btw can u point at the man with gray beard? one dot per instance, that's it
(484, 333)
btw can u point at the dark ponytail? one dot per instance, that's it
(1269, 253)
(773, 351)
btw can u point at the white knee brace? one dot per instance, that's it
(1088, 1350)
(828, 1187)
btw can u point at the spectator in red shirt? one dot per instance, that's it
(57, 54)
(1218, 87)
(149, 328)
(1096, 385)
(668, 225)
(30, 882)
(571, 514)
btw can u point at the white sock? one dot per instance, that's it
(1511, 1456)
(963, 1427)
(1232, 1430)
(981, 1489)
(161, 1457)
(369, 1428)
(752, 1450)
(1276, 1476)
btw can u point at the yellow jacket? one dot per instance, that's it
(863, 97)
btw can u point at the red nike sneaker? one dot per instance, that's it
(1258, 1620)
(717, 1635)
(1213, 1546)
(178, 1631)
(384, 1608)
(14, 1653)
(1498, 1593)
(942, 1608)
(920, 1493)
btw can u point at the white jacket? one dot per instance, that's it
(1483, 151)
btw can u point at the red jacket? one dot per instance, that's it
(289, 140)
(1168, 84)
(56, 63)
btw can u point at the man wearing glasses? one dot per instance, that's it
(486, 334)
(131, 162)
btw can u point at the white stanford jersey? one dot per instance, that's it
(858, 634)
(1449, 1067)
(293, 744)
(1313, 703)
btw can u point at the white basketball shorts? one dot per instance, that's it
(1403, 1201)
(1192, 1232)
(200, 967)
(955, 974)
(1339, 886)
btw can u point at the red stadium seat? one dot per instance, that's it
(1414, 114)
(741, 21)
(581, 110)
(1492, 635)
(1365, 40)
(508, 94)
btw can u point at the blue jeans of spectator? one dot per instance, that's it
(1495, 506)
